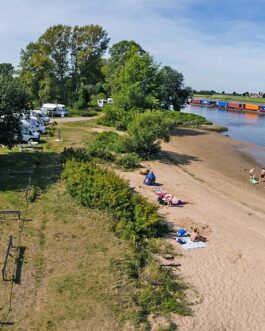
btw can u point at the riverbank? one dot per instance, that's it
(207, 170)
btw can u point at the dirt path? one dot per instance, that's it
(229, 274)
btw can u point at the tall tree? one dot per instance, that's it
(172, 90)
(6, 70)
(132, 76)
(13, 99)
(63, 61)
(54, 44)
(119, 55)
(88, 45)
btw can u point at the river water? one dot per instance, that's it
(245, 127)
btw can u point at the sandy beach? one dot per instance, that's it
(227, 279)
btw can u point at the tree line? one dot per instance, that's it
(68, 64)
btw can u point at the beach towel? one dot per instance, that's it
(189, 244)
(160, 193)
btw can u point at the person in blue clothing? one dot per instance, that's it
(150, 178)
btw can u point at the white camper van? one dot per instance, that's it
(26, 134)
(54, 109)
(42, 118)
(34, 124)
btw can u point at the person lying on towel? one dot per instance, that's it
(195, 236)
(171, 200)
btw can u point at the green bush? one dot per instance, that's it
(147, 131)
(134, 217)
(117, 117)
(33, 193)
(185, 119)
(128, 161)
(161, 293)
(105, 145)
(88, 112)
(77, 154)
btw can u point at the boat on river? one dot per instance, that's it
(230, 105)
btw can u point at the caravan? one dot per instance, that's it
(34, 124)
(42, 118)
(54, 109)
(26, 134)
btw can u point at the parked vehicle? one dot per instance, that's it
(26, 134)
(101, 102)
(42, 118)
(34, 124)
(54, 109)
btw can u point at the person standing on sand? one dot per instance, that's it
(262, 175)
(251, 174)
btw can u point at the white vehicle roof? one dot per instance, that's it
(25, 123)
(52, 105)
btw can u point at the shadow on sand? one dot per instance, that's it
(181, 132)
(169, 157)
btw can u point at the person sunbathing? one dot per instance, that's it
(195, 236)
(171, 200)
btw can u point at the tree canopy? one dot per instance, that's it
(13, 99)
(64, 64)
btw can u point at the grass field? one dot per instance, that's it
(229, 97)
(67, 280)
(71, 267)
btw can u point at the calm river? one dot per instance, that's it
(245, 127)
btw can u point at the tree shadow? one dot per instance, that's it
(169, 157)
(180, 132)
(17, 167)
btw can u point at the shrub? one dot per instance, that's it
(96, 187)
(146, 133)
(128, 161)
(105, 145)
(184, 119)
(117, 117)
(161, 294)
(33, 193)
(78, 154)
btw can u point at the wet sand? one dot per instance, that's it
(227, 279)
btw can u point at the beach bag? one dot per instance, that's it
(181, 241)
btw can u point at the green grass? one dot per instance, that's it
(229, 97)
(92, 111)
(76, 274)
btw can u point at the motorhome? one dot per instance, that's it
(101, 102)
(34, 124)
(26, 134)
(54, 109)
(42, 118)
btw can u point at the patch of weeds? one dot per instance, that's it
(42, 239)
(39, 264)
(71, 285)
(171, 326)
(161, 292)
(33, 193)
(50, 324)
(129, 161)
